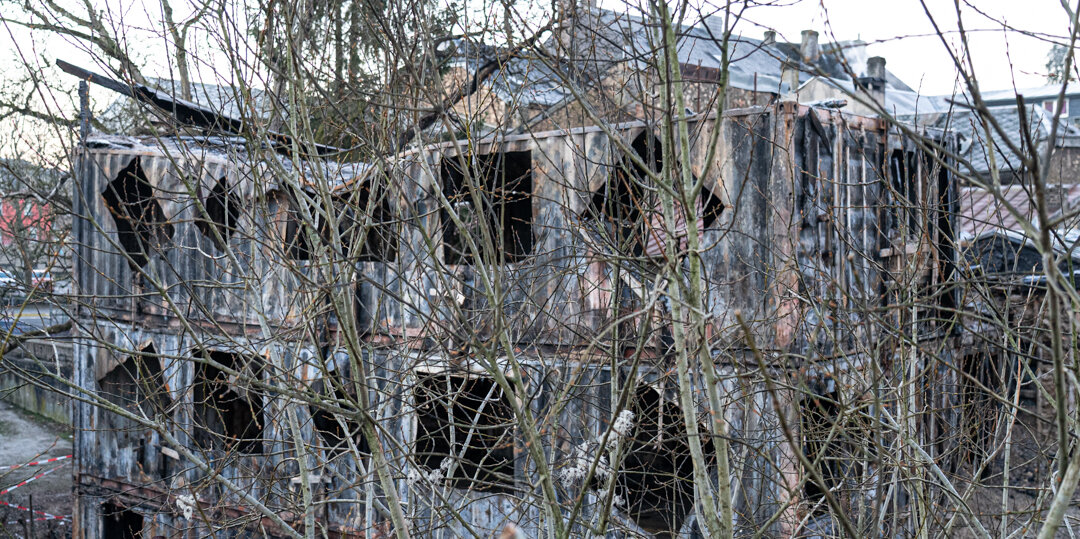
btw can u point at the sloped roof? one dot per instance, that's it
(976, 147)
(598, 39)
(123, 113)
(981, 212)
(1040, 93)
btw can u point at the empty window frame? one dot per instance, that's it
(367, 231)
(465, 422)
(297, 243)
(631, 215)
(228, 407)
(137, 385)
(222, 216)
(120, 523)
(366, 227)
(335, 429)
(502, 201)
(141, 226)
(656, 475)
(822, 442)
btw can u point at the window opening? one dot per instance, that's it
(297, 246)
(468, 420)
(228, 410)
(328, 425)
(363, 215)
(905, 195)
(633, 217)
(820, 411)
(222, 213)
(656, 476)
(981, 376)
(120, 523)
(620, 204)
(711, 208)
(141, 226)
(504, 186)
(137, 385)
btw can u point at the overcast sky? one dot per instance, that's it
(898, 30)
(893, 27)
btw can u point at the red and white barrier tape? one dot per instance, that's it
(44, 515)
(36, 463)
(31, 480)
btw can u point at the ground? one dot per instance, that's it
(25, 438)
(1034, 445)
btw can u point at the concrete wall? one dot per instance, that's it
(41, 360)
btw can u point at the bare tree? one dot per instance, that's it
(577, 285)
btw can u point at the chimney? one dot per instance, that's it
(874, 81)
(875, 68)
(789, 74)
(809, 49)
(770, 37)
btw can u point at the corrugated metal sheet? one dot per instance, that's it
(811, 202)
(982, 211)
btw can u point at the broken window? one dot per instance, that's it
(981, 386)
(631, 215)
(365, 220)
(120, 523)
(141, 226)
(228, 406)
(137, 385)
(335, 429)
(465, 422)
(359, 219)
(297, 245)
(502, 202)
(222, 214)
(655, 480)
(822, 441)
(711, 208)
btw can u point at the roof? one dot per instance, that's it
(229, 152)
(598, 39)
(975, 146)
(123, 113)
(1001, 97)
(981, 212)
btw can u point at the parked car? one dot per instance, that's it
(42, 280)
(7, 281)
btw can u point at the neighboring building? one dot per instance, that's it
(607, 60)
(31, 231)
(1044, 97)
(982, 212)
(985, 155)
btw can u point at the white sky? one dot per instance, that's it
(899, 30)
(893, 26)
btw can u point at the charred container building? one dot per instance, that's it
(222, 288)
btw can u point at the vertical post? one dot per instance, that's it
(31, 507)
(80, 350)
(84, 112)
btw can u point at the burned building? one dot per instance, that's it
(474, 336)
